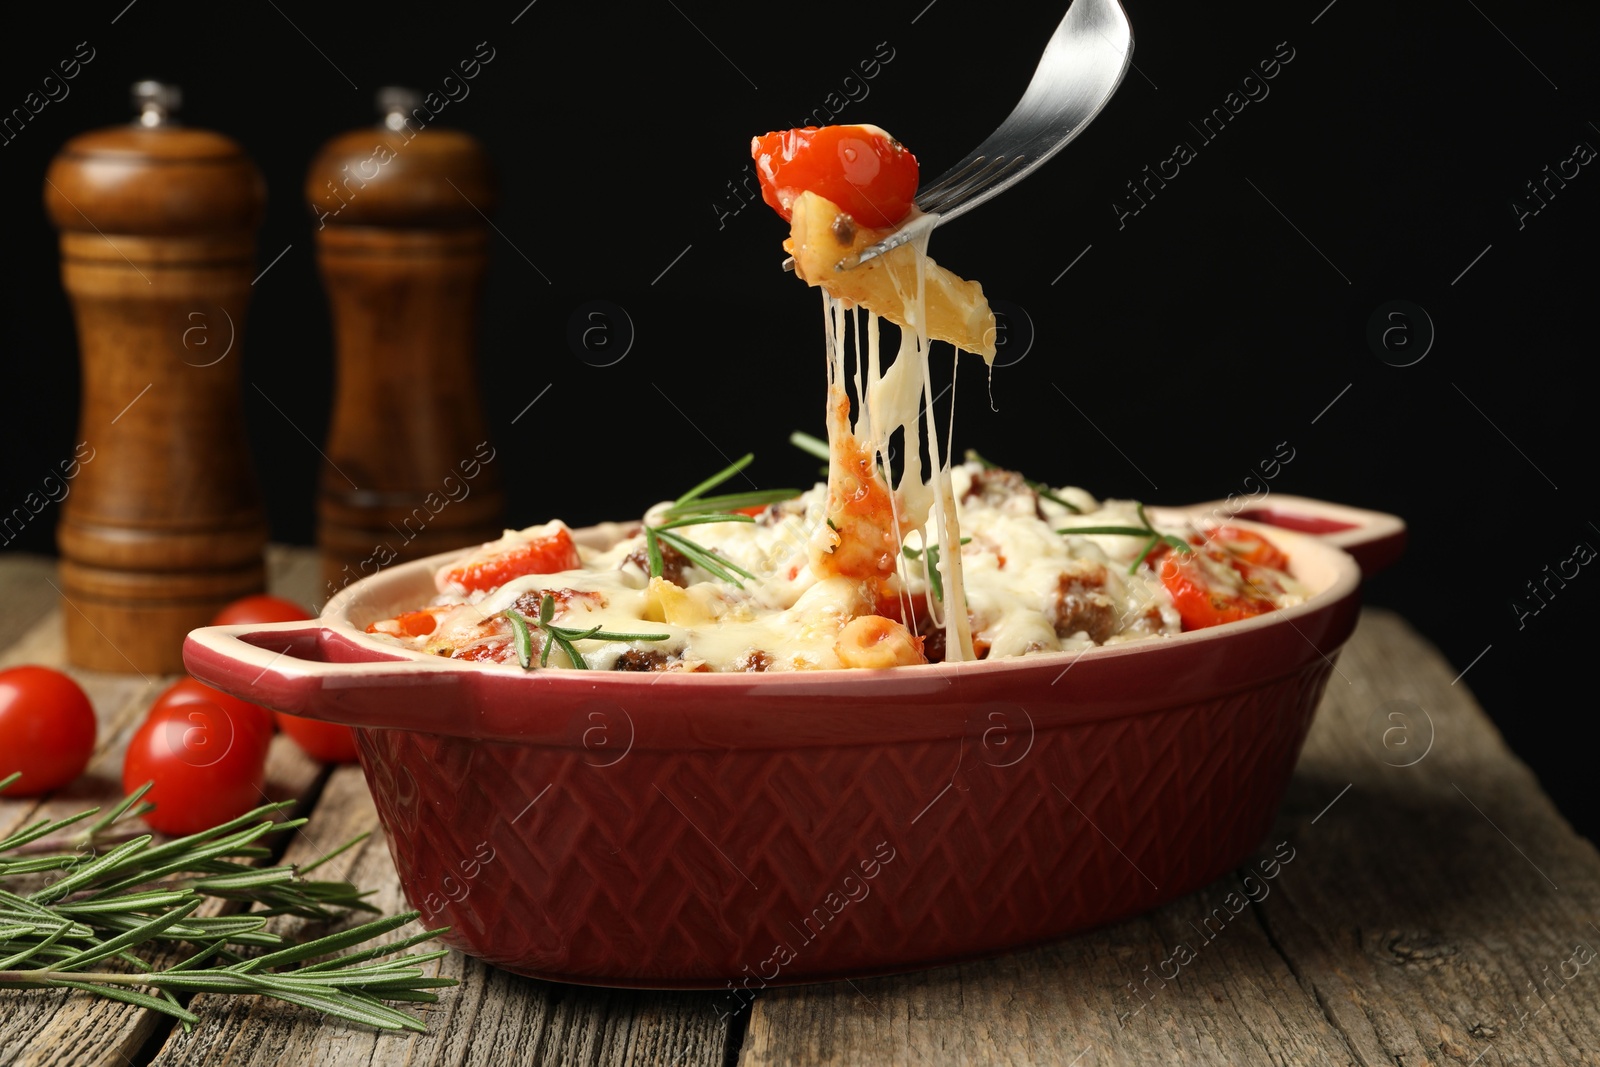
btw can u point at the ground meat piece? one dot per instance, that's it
(1005, 491)
(933, 638)
(1081, 603)
(641, 659)
(1149, 621)
(674, 564)
(754, 660)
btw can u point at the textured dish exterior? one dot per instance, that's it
(691, 868)
(677, 830)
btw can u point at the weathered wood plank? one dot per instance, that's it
(1442, 894)
(46, 1026)
(1406, 928)
(492, 1017)
(26, 594)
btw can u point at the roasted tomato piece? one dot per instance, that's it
(496, 564)
(862, 169)
(1247, 545)
(1208, 590)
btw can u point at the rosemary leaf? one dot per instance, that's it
(810, 445)
(1147, 530)
(165, 1005)
(702, 520)
(574, 659)
(330, 943)
(716, 479)
(521, 637)
(41, 829)
(307, 868)
(1125, 531)
(143, 932)
(652, 544)
(706, 560)
(137, 896)
(731, 502)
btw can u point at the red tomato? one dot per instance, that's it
(1248, 546)
(241, 713)
(542, 555)
(1208, 590)
(418, 623)
(330, 742)
(260, 608)
(862, 169)
(206, 771)
(47, 729)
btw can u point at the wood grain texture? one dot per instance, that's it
(49, 1027)
(1429, 913)
(492, 1017)
(25, 591)
(402, 250)
(1406, 929)
(163, 524)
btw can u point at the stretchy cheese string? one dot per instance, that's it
(887, 400)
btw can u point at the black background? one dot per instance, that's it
(1196, 336)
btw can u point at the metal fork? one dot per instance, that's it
(1082, 66)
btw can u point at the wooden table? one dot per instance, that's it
(1436, 910)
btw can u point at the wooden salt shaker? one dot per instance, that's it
(164, 523)
(402, 234)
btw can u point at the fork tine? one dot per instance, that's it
(1082, 66)
(960, 172)
(975, 186)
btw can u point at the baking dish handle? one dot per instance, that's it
(1375, 538)
(308, 668)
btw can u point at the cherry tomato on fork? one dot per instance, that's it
(862, 169)
(47, 729)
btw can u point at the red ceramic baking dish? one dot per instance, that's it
(692, 830)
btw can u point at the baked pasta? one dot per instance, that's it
(1029, 588)
(879, 567)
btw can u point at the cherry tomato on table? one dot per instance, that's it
(206, 767)
(862, 169)
(260, 608)
(330, 742)
(241, 713)
(47, 729)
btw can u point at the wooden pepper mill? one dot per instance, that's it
(164, 523)
(402, 243)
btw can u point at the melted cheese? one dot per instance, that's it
(1028, 589)
(834, 555)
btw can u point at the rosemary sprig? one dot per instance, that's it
(561, 637)
(694, 508)
(1038, 487)
(122, 906)
(935, 579)
(1134, 531)
(812, 446)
